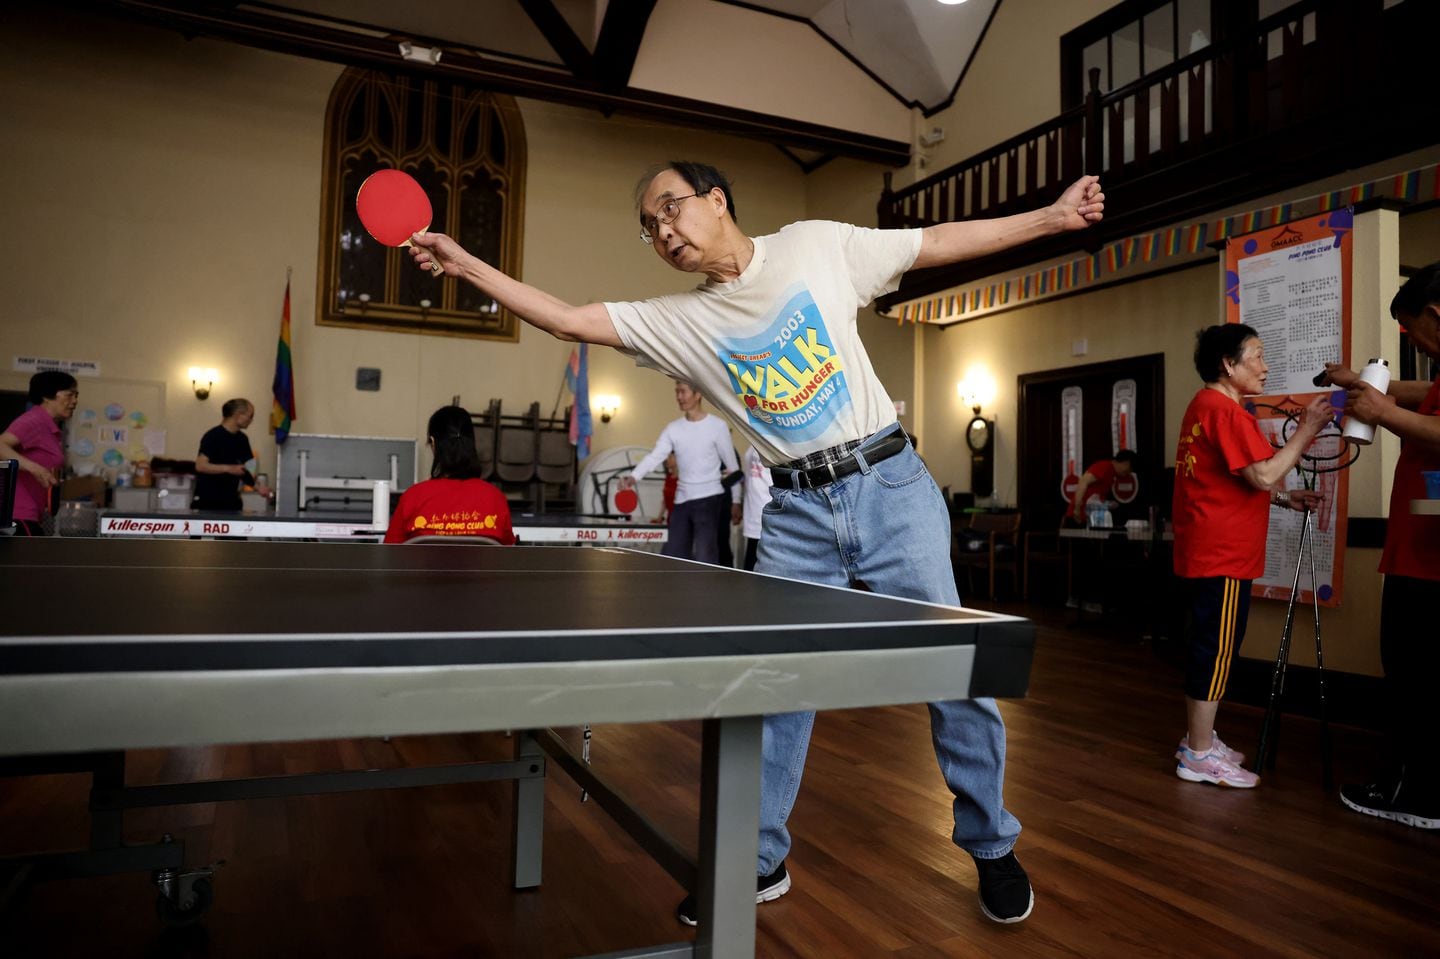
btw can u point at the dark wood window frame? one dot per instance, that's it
(1073, 82)
(467, 148)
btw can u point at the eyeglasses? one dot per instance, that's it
(667, 213)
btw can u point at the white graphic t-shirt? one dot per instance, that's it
(776, 350)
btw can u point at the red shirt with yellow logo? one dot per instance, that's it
(451, 507)
(1220, 519)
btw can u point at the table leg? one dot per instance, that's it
(527, 842)
(729, 838)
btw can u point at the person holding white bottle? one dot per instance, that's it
(1407, 787)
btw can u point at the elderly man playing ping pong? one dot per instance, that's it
(770, 339)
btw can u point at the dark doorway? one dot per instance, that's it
(12, 404)
(1042, 466)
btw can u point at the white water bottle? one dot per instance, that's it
(1377, 374)
(380, 505)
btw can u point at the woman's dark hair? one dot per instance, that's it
(1215, 344)
(702, 178)
(1419, 291)
(45, 384)
(453, 434)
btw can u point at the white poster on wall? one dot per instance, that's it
(34, 364)
(1292, 298)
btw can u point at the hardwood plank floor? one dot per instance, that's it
(1126, 859)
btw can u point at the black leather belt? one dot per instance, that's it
(817, 476)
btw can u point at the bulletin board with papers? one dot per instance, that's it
(1291, 283)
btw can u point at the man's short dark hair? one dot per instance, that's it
(702, 178)
(1126, 456)
(47, 383)
(1214, 344)
(1420, 291)
(234, 406)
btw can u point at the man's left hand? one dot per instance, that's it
(735, 514)
(1082, 204)
(1367, 404)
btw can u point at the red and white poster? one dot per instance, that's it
(1122, 415)
(1072, 463)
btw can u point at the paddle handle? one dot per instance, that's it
(435, 268)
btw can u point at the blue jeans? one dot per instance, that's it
(886, 528)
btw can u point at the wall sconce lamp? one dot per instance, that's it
(202, 381)
(975, 390)
(608, 407)
(969, 395)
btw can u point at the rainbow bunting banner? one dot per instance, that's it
(1150, 247)
(1407, 185)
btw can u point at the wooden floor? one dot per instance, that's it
(1126, 859)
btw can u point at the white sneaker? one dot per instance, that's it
(1217, 746)
(1210, 768)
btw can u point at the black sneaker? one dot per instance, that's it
(1384, 800)
(767, 889)
(1005, 893)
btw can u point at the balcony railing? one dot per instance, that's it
(1298, 89)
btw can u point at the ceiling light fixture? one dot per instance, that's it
(419, 54)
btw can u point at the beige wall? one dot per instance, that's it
(726, 54)
(170, 184)
(1014, 81)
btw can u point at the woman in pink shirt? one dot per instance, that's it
(33, 440)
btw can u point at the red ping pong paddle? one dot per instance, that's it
(627, 501)
(392, 207)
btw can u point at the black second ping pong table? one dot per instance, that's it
(322, 643)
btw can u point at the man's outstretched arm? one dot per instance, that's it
(1078, 207)
(588, 324)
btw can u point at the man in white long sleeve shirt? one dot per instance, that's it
(701, 444)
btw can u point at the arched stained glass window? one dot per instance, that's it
(467, 150)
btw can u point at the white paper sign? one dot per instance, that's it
(1293, 299)
(34, 364)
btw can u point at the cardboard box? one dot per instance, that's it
(172, 499)
(90, 489)
(133, 500)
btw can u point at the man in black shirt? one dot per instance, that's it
(224, 450)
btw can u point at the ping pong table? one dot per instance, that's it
(353, 527)
(313, 642)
